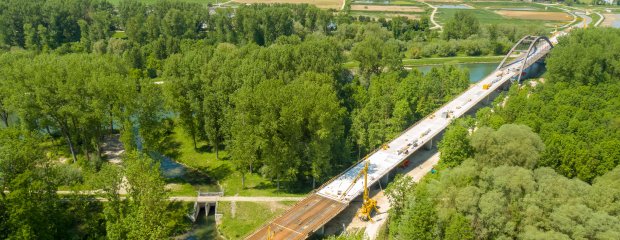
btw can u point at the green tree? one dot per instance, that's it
(461, 26)
(514, 145)
(454, 147)
(459, 228)
(146, 213)
(419, 220)
(397, 192)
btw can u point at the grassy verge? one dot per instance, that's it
(247, 216)
(595, 17)
(438, 61)
(451, 60)
(203, 160)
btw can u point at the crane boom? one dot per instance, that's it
(369, 204)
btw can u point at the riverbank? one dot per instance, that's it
(409, 62)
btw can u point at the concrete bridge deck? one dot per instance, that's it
(312, 213)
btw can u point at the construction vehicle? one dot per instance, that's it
(404, 164)
(486, 86)
(269, 233)
(385, 146)
(369, 204)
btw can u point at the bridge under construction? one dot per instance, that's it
(312, 213)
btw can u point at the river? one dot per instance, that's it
(477, 71)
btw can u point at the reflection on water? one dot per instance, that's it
(169, 167)
(203, 229)
(477, 71)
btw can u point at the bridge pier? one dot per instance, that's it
(385, 179)
(429, 145)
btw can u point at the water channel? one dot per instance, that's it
(477, 71)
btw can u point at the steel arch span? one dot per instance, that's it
(531, 44)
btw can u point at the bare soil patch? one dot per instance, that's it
(335, 4)
(442, 1)
(386, 8)
(554, 16)
(610, 19)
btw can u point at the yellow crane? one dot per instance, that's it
(369, 204)
(269, 233)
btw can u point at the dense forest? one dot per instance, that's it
(267, 85)
(542, 162)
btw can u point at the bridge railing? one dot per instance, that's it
(398, 136)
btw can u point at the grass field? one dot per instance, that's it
(333, 4)
(247, 216)
(219, 171)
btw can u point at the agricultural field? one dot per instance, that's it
(389, 9)
(204, 2)
(549, 16)
(325, 4)
(386, 15)
(611, 20)
(386, 8)
(518, 6)
(549, 19)
(388, 2)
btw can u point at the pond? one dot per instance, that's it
(477, 71)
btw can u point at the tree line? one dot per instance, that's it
(31, 208)
(283, 106)
(542, 163)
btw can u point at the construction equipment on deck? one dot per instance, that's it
(385, 146)
(369, 204)
(269, 233)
